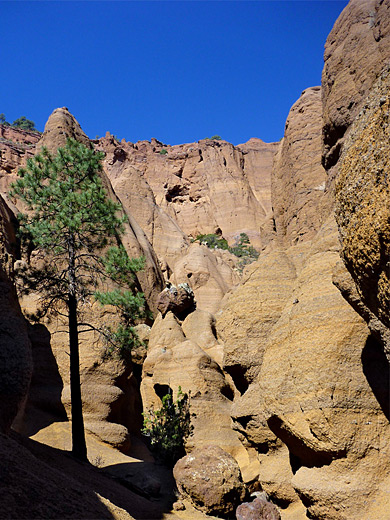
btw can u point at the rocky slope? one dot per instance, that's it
(286, 362)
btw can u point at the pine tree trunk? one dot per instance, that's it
(79, 447)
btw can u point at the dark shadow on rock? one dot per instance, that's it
(110, 482)
(301, 454)
(376, 369)
(38, 482)
(43, 405)
(153, 484)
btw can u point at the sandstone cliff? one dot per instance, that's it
(284, 373)
(16, 361)
(356, 50)
(355, 152)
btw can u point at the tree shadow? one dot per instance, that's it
(130, 486)
(153, 485)
(376, 369)
(43, 482)
(43, 405)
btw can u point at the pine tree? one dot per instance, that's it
(24, 123)
(70, 220)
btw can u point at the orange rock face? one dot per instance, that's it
(16, 146)
(204, 187)
(356, 50)
(285, 355)
(299, 195)
(175, 193)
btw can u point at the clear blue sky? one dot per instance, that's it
(178, 71)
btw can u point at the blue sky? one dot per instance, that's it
(178, 71)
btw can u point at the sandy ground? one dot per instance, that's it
(123, 484)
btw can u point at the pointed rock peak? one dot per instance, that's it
(61, 125)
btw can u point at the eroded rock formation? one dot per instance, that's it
(299, 198)
(284, 373)
(356, 50)
(362, 195)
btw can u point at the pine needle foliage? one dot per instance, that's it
(69, 220)
(130, 303)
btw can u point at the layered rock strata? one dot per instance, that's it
(206, 187)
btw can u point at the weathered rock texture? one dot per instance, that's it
(289, 336)
(111, 400)
(211, 478)
(258, 509)
(30, 488)
(179, 300)
(301, 397)
(15, 145)
(60, 126)
(362, 195)
(187, 355)
(288, 356)
(193, 189)
(356, 50)
(205, 187)
(298, 179)
(363, 206)
(257, 163)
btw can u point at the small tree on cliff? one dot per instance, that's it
(70, 220)
(24, 123)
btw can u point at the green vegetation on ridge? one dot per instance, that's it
(241, 248)
(22, 122)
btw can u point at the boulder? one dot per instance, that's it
(211, 478)
(259, 509)
(179, 300)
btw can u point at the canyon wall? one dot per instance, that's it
(285, 359)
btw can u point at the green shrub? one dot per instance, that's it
(213, 241)
(216, 138)
(241, 249)
(169, 427)
(163, 151)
